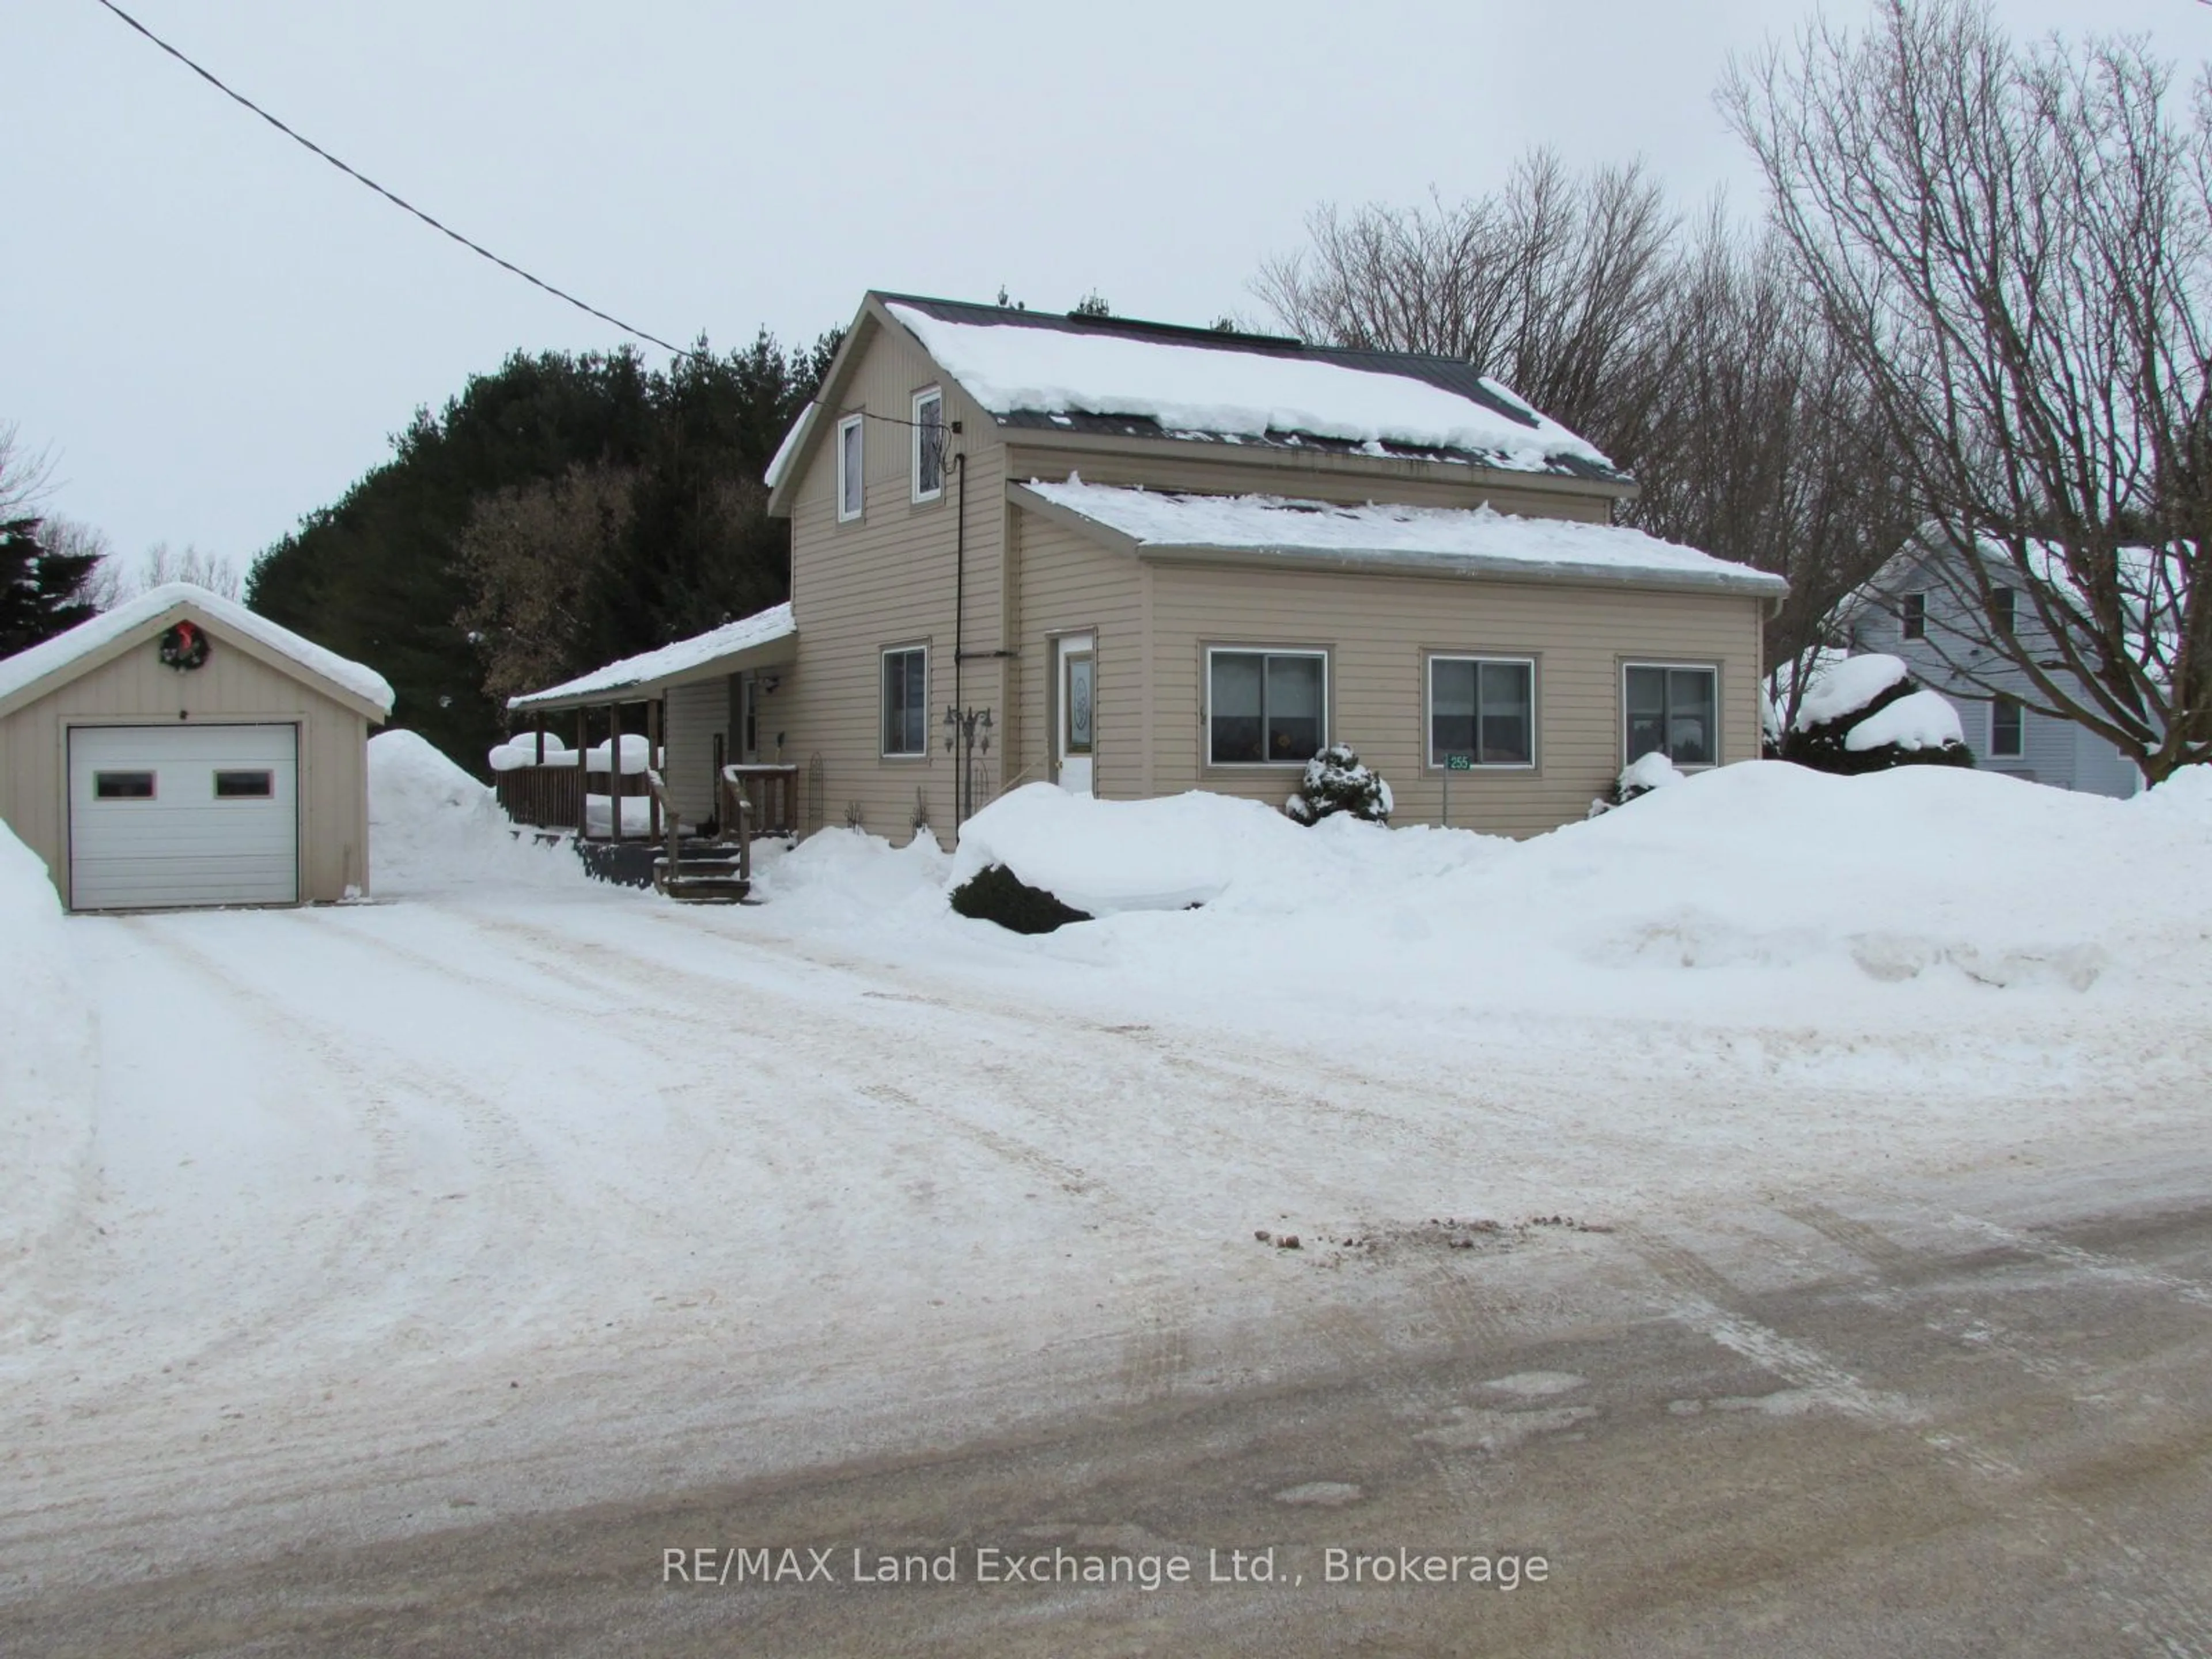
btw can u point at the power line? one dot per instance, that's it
(399, 202)
(443, 228)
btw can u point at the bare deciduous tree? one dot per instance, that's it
(2013, 246)
(1557, 285)
(25, 475)
(1684, 352)
(532, 556)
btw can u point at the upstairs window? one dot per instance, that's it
(1266, 707)
(928, 446)
(1483, 709)
(2003, 606)
(1673, 711)
(1912, 616)
(852, 482)
(2008, 729)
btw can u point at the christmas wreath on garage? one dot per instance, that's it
(185, 646)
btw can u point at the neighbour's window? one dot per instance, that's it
(906, 701)
(122, 786)
(2007, 728)
(928, 446)
(1483, 709)
(2003, 608)
(1673, 711)
(1912, 616)
(1265, 707)
(851, 481)
(245, 785)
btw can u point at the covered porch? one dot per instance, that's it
(689, 711)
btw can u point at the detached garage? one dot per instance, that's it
(181, 750)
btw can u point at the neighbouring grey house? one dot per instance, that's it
(1921, 607)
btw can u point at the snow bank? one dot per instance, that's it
(432, 827)
(1847, 683)
(1107, 857)
(1814, 885)
(47, 1070)
(1924, 720)
(1199, 388)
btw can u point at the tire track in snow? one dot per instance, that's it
(2145, 1602)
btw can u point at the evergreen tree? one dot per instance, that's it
(42, 590)
(382, 574)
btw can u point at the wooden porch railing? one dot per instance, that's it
(772, 792)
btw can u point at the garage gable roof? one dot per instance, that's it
(29, 674)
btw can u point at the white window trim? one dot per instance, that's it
(1905, 618)
(1720, 713)
(1213, 651)
(1434, 762)
(883, 704)
(850, 424)
(920, 433)
(2016, 753)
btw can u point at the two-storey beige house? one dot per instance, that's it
(1132, 559)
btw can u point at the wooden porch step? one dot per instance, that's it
(688, 886)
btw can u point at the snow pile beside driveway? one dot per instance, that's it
(1106, 857)
(48, 1075)
(1808, 884)
(432, 827)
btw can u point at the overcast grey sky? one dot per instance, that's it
(216, 333)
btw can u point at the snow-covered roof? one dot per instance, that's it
(697, 658)
(1195, 382)
(1465, 541)
(54, 657)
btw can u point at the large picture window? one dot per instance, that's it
(1483, 708)
(1266, 707)
(851, 479)
(1674, 710)
(906, 701)
(928, 446)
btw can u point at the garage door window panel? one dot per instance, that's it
(245, 785)
(122, 786)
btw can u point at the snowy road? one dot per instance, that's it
(489, 1204)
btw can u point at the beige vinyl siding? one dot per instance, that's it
(1068, 584)
(1350, 483)
(694, 716)
(134, 688)
(1378, 632)
(887, 579)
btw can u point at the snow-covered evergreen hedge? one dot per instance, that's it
(1867, 713)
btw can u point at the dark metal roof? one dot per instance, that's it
(1452, 374)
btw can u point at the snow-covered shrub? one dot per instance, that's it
(996, 894)
(1336, 782)
(1639, 777)
(1867, 714)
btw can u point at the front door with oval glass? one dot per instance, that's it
(1078, 712)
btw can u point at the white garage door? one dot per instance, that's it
(163, 815)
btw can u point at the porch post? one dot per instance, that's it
(614, 770)
(653, 760)
(583, 776)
